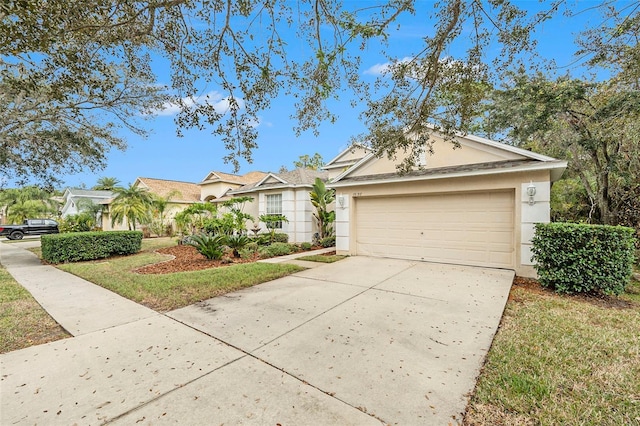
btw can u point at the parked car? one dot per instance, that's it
(29, 227)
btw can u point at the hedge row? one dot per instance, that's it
(579, 258)
(73, 247)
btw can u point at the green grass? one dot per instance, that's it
(165, 292)
(562, 360)
(322, 258)
(23, 322)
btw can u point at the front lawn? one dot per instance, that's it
(165, 292)
(562, 360)
(23, 322)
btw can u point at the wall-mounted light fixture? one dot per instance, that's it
(531, 192)
(341, 201)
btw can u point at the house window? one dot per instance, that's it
(274, 206)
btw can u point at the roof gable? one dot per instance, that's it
(472, 150)
(348, 157)
(297, 178)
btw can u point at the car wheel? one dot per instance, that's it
(17, 235)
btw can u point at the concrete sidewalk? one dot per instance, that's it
(361, 341)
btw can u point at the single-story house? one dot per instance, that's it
(74, 200)
(472, 205)
(287, 194)
(74, 196)
(180, 195)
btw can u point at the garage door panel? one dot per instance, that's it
(466, 228)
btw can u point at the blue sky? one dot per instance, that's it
(163, 155)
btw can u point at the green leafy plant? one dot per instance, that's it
(81, 222)
(208, 245)
(237, 243)
(579, 258)
(321, 198)
(305, 246)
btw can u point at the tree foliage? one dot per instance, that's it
(29, 202)
(309, 162)
(594, 125)
(74, 71)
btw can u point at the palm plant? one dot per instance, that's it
(132, 204)
(209, 245)
(237, 242)
(159, 206)
(106, 184)
(321, 197)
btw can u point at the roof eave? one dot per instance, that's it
(556, 169)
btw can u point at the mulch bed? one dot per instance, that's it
(187, 258)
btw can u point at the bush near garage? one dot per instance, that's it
(328, 241)
(580, 258)
(78, 246)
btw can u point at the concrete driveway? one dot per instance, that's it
(401, 341)
(360, 341)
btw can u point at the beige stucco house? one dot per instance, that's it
(180, 195)
(466, 205)
(216, 185)
(284, 193)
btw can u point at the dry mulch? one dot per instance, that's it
(187, 258)
(533, 286)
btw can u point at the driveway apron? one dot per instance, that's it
(360, 341)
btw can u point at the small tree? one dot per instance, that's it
(321, 197)
(271, 221)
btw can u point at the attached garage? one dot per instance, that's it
(476, 204)
(472, 228)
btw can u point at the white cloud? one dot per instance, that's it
(219, 103)
(384, 68)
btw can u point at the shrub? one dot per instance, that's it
(328, 241)
(305, 246)
(81, 222)
(77, 246)
(208, 245)
(275, 249)
(280, 237)
(262, 239)
(577, 258)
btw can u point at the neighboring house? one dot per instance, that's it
(287, 194)
(216, 185)
(180, 195)
(467, 205)
(74, 198)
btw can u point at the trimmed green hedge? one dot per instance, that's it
(73, 247)
(578, 258)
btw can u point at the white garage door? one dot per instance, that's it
(473, 228)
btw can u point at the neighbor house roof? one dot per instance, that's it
(187, 192)
(250, 177)
(296, 178)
